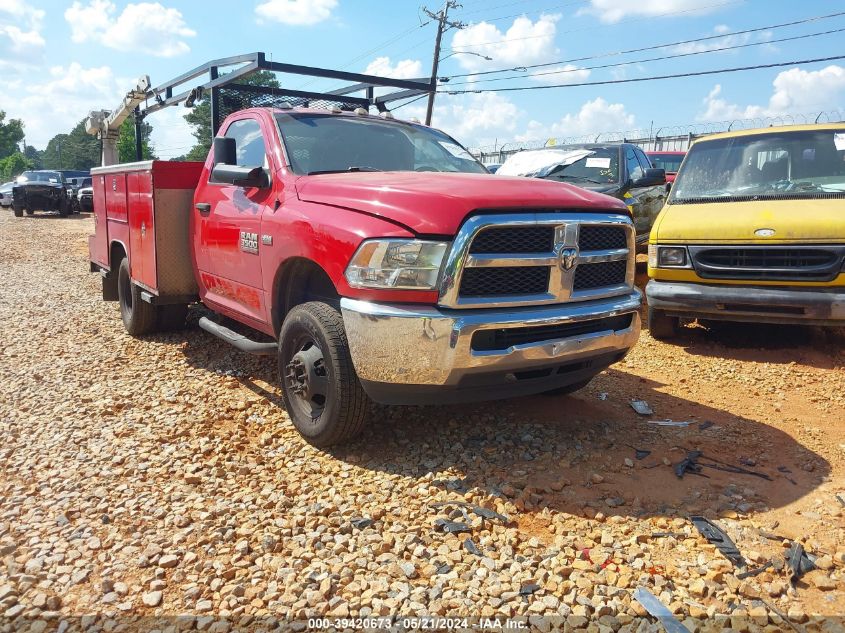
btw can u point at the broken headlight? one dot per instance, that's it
(396, 264)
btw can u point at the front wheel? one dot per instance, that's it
(661, 326)
(18, 211)
(322, 394)
(139, 317)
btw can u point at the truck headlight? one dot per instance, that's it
(396, 264)
(667, 256)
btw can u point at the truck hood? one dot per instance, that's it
(437, 203)
(793, 221)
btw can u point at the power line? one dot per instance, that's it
(653, 59)
(592, 28)
(655, 47)
(654, 78)
(402, 105)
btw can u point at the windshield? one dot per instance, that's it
(781, 164)
(318, 143)
(600, 167)
(40, 176)
(670, 162)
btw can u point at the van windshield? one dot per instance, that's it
(786, 164)
(319, 143)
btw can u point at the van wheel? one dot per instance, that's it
(139, 317)
(661, 326)
(322, 394)
(565, 391)
(64, 208)
(18, 211)
(30, 211)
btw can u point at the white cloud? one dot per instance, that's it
(171, 135)
(524, 43)
(568, 74)
(795, 91)
(21, 42)
(721, 42)
(404, 69)
(146, 27)
(473, 120)
(610, 11)
(594, 117)
(61, 100)
(296, 12)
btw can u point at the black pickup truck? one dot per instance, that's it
(41, 191)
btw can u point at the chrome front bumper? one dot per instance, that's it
(758, 304)
(413, 351)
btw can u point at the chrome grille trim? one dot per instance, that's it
(561, 281)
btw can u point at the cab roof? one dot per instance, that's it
(774, 130)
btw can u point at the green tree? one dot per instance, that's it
(77, 150)
(126, 141)
(13, 165)
(11, 133)
(33, 155)
(200, 116)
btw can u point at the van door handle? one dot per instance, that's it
(203, 207)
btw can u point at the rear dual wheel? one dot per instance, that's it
(141, 317)
(321, 391)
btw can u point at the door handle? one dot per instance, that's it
(203, 207)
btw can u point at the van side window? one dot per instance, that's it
(249, 143)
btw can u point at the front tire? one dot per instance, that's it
(321, 391)
(18, 211)
(139, 317)
(661, 326)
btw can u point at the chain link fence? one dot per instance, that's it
(664, 138)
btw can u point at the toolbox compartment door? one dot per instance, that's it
(142, 241)
(98, 243)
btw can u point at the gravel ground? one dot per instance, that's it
(161, 477)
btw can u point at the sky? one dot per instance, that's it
(59, 59)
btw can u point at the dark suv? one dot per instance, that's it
(621, 170)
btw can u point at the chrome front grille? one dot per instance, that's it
(519, 259)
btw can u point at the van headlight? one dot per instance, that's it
(396, 264)
(668, 256)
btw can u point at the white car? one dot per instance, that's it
(6, 194)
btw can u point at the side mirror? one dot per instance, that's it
(225, 151)
(651, 178)
(668, 187)
(240, 176)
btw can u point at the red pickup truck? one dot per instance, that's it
(383, 259)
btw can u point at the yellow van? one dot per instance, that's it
(753, 230)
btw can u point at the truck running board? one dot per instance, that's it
(238, 340)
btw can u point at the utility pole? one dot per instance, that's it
(443, 25)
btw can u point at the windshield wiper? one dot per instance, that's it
(585, 178)
(342, 171)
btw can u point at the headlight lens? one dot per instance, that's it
(652, 256)
(396, 264)
(671, 256)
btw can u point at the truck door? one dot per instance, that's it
(652, 197)
(633, 197)
(229, 236)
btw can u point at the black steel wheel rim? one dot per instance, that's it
(306, 377)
